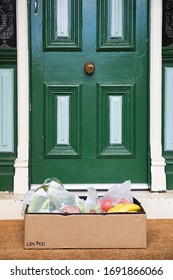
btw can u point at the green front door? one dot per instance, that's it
(89, 127)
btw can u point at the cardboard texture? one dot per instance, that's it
(115, 230)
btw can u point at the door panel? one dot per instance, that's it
(89, 128)
(116, 25)
(62, 121)
(62, 25)
(116, 121)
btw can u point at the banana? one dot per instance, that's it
(129, 208)
(116, 208)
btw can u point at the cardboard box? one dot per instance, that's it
(95, 230)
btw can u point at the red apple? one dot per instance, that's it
(125, 201)
(106, 204)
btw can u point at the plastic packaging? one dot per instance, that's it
(115, 195)
(52, 197)
(90, 204)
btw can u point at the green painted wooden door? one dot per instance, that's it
(89, 128)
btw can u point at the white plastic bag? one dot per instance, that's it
(90, 204)
(116, 194)
(51, 197)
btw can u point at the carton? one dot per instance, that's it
(93, 230)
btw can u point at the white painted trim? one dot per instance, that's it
(99, 187)
(158, 177)
(21, 163)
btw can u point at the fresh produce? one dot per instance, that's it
(115, 208)
(82, 206)
(52, 197)
(55, 201)
(106, 204)
(71, 209)
(94, 208)
(130, 207)
(39, 203)
(125, 201)
(121, 207)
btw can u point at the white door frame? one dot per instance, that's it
(21, 181)
(158, 177)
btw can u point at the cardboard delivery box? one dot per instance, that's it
(93, 230)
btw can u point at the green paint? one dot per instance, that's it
(8, 60)
(125, 43)
(168, 155)
(127, 148)
(120, 67)
(52, 150)
(51, 41)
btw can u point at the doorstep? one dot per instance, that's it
(157, 205)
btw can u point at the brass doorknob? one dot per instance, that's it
(89, 68)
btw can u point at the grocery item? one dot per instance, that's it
(70, 209)
(107, 204)
(115, 208)
(38, 204)
(130, 207)
(121, 207)
(115, 195)
(52, 197)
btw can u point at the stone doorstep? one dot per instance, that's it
(156, 205)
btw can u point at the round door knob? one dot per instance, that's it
(89, 68)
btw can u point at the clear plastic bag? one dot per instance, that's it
(39, 202)
(61, 198)
(116, 194)
(90, 204)
(51, 197)
(27, 200)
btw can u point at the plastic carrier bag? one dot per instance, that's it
(115, 195)
(51, 197)
(90, 204)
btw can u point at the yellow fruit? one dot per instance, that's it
(115, 208)
(129, 208)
